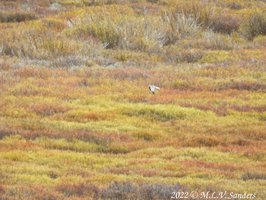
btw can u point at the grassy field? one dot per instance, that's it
(78, 122)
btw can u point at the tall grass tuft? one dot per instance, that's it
(178, 26)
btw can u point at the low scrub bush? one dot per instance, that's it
(78, 189)
(246, 85)
(183, 85)
(5, 66)
(6, 132)
(26, 72)
(253, 176)
(260, 41)
(115, 149)
(68, 61)
(201, 141)
(156, 114)
(177, 55)
(225, 23)
(207, 16)
(31, 192)
(93, 2)
(57, 46)
(54, 24)
(16, 17)
(217, 56)
(247, 108)
(254, 26)
(157, 191)
(83, 116)
(121, 191)
(127, 190)
(220, 110)
(234, 5)
(49, 109)
(127, 73)
(146, 135)
(216, 41)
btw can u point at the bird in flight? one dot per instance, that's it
(152, 88)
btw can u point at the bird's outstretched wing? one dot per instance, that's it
(156, 88)
(152, 88)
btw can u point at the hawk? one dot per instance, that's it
(153, 88)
